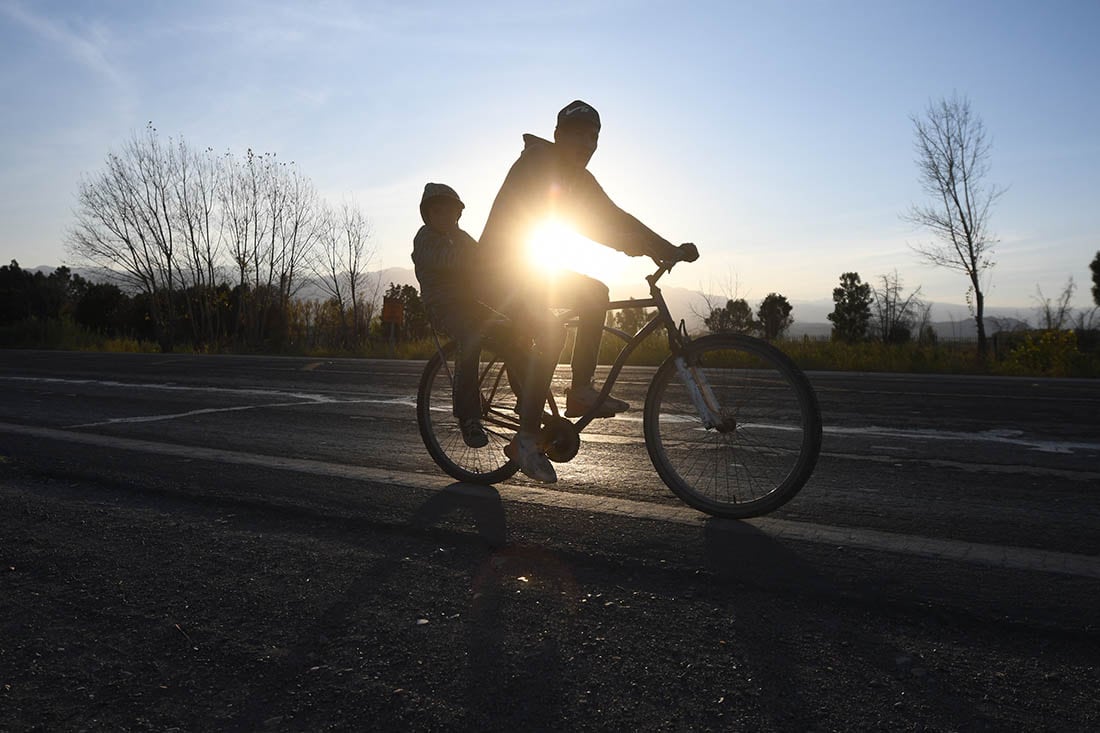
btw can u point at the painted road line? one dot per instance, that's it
(1009, 558)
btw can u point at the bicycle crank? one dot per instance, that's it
(559, 439)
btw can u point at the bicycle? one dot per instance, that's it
(731, 424)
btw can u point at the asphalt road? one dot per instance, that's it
(941, 569)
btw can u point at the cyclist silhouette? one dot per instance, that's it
(551, 180)
(446, 260)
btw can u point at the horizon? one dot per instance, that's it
(777, 137)
(686, 302)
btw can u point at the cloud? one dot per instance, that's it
(87, 48)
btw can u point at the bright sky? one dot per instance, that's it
(775, 135)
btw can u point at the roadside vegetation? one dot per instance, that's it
(875, 329)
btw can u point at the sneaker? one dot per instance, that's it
(578, 401)
(524, 450)
(473, 434)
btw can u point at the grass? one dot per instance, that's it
(66, 335)
(1032, 354)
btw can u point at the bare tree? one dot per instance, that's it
(126, 223)
(297, 233)
(1055, 315)
(952, 162)
(269, 211)
(340, 264)
(171, 222)
(926, 333)
(730, 288)
(199, 269)
(895, 314)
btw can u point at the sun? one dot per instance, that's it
(554, 246)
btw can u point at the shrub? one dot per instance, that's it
(1047, 353)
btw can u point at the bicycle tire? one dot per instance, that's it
(768, 439)
(439, 428)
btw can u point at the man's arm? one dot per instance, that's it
(597, 217)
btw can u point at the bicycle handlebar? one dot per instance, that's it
(689, 253)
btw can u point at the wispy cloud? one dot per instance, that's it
(86, 46)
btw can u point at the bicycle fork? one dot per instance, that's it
(710, 412)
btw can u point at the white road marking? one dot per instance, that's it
(302, 397)
(1004, 437)
(1000, 556)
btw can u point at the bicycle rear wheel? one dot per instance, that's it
(759, 436)
(440, 430)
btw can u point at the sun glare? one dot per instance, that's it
(554, 246)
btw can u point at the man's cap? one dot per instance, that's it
(578, 111)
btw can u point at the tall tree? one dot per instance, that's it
(774, 315)
(270, 213)
(952, 163)
(199, 268)
(343, 253)
(851, 314)
(127, 221)
(172, 223)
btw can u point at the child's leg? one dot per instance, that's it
(465, 325)
(467, 398)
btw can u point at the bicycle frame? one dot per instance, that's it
(699, 391)
(701, 395)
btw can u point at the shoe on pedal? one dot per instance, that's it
(473, 434)
(524, 450)
(579, 400)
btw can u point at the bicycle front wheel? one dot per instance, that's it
(732, 426)
(440, 429)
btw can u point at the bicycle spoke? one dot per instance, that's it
(442, 432)
(768, 434)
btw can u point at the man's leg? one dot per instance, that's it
(589, 297)
(536, 365)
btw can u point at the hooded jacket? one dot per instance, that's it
(540, 186)
(445, 266)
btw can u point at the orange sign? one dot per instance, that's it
(393, 311)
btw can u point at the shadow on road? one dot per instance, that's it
(482, 503)
(506, 663)
(527, 623)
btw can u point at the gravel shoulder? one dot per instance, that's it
(142, 597)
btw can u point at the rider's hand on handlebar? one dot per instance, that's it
(688, 252)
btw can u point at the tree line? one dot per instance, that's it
(861, 312)
(107, 311)
(884, 312)
(216, 246)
